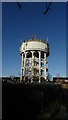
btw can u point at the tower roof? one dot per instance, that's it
(39, 40)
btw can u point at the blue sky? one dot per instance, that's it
(67, 39)
(34, 0)
(0, 38)
(19, 25)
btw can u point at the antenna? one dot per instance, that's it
(47, 39)
(21, 41)
(32, 36)
(43, 35)
(35, 36)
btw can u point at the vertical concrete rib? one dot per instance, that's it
(24, 66)
(32, 65)
(21, 68)
(45, 65)
(39, 64)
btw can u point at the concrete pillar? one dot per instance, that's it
(39, 64)
(46, 62)
(32, 65)
(45, 65)
(21, 68)
(24, 72)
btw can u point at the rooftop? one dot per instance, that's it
(36, 40)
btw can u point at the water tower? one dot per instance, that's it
(34, 67)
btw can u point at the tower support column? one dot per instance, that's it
(24, 72)
(45, 65)
(39, 65)
(32, 65)
(21, 69)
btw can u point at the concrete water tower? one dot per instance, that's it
(34, 65)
